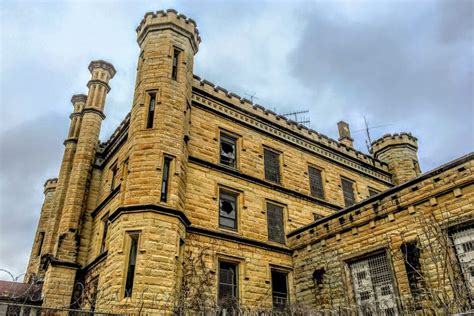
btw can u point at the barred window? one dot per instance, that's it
(228, 154)
(463, 240)
(228, 287)
(373, 285)
(348, 191)
(228, 209)
(279, 289)
(272, 165)
(276, 231)
(316, 182)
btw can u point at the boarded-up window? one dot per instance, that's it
(228, 209)
(228, 155)
(373, 286)
(272, 165)
(228, 287)
(279, 289)
(315, 182)
(463, 241)
(348, 191)
(276, 231)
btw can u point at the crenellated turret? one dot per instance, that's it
(399, 151)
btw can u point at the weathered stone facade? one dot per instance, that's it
(139, 222)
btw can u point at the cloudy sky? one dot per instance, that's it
(405, 65)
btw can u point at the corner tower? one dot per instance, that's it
(399, 151)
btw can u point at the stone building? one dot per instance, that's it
(201, 197)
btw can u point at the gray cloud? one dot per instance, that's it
(408, 64)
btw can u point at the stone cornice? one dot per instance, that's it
(104, 65)
(287, 136)
(95, 111)
(99, 82)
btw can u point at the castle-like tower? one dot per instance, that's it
(199, 197)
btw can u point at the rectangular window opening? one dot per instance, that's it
(132, 261)
(151, 110)
(463, 241)
(228, 287)
(105, 224)
(228, 148)
(165, 180)
(228, 209)
(113, 179)
(279, 290)
(272, 165)
(174, 70)
(40, 243)
(316, 182)
(348, 192)
(411, 257)
(276, 230)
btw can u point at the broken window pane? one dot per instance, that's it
(228, 151)
(228, 210)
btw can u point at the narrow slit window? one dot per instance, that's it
(132, 261)
(272, 165)
(228, 287)
(348, 192)
(316, 182)
(174, 70)
(40, 243)
(151, 111)
(411, 257)
(113, 177)
(166, 178)
(228, 209)
(228, 155)
(279, 290)
(276, 230)
(105, 229)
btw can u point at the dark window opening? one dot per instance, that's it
(348, 192)
(228, 209)
(113, 179)
(373, 192)
(276, 231)
(318, 276)
(317, 216)
(411, 256)
(468, 246)
(165, 180)
(151, 111)
(174, 71)
(103, 244)
(40, 242)
(228, 288)
(94, 290)
(279, 290)
(316, 182)
(272, 165)
(132, 261)
(228, 155)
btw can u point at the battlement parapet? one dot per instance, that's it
(50, 185)
(163, 19)
(279, 120)
(396, 139)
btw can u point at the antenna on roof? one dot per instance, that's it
(252, 96)
(300, 117)
(368, 140)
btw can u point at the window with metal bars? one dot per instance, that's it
(463, 240)
(228, 209)
(105, 229)
(279, 289)
(228, 286)
(165, 179)
(275, 223)
(228, 153)
(151, 110)
(411, 257)
(174, 69)
(348, 191)
(373, 285)
(132, 262)
(316, 182)
(272, 165)
(40, 242)
(373, 192)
